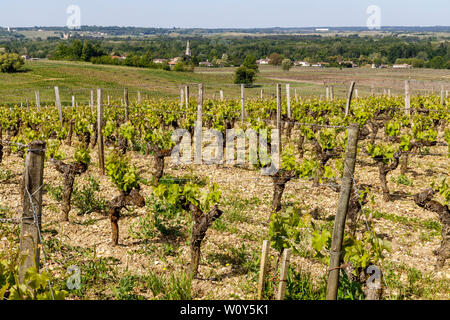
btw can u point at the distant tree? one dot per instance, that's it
(437, 63)
(88, 51)
(275, 59)
(286, 64)
(183, 67)
(244, 75)
(218, 63)
(77, 50)
(164, 66)
(11, 62)
(422, 55)
(250, 63)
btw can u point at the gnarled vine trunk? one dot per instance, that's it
(356, 202)
(414, 146)
(159, 156)
(85, 138)
(425, 200)
(69, 171)
(95, 130)
(289, 126)
(301, 142)
(279, 184)
(116, 205)
(323, 157)
(70, 134)
(201, 224)
(383, 170)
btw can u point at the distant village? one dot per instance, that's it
(208, 64)
(348, 64)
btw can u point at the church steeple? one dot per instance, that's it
(188, 49)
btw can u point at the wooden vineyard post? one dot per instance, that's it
(407, 99)
(73, 101)
(288, 99)
(109, 101)
(38, 101)
(295, 94)
(356, 94)
(198, 127)
(125, 99)
(279, 117)
(283, 274)
(349, 98)
(442, 97)
(28, 106)
(242, 103)
(30, 236)
(91, 103)
(339, 222)
(101, 158)
(221, 95)
(263, 268)
(261, 94)
(58, 105)
(139, 97)
(181, 97)
(186, 96)
(327, 93)
(331, 93)
(389, 92)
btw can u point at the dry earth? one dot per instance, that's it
(248, 195)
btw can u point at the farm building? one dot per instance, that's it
(262, 61)
(401, 66)
(302, 63)
(159, 60)
(205, 64)
(174, 61)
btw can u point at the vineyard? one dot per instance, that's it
(172, 198)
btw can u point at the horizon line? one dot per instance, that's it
(232, 28)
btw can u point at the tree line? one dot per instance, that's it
(222, 51)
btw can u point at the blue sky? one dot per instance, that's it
(225, 13)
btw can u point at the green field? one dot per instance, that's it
(76, 78)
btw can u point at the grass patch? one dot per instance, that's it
(429, 224)
(86, 198)
(54, 192)
(406, 283)
(241, 259)
(173, 286)
(6, 175)
(403, 180)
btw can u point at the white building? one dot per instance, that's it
(401, 66)
(262, 61)
(302, 63)
(205, 64)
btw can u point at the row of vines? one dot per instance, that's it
(313, 140)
